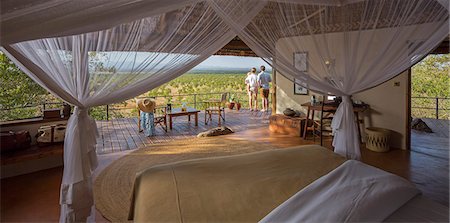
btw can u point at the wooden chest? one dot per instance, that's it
(286, 125)
(52, 113)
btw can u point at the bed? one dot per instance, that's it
(249, 188)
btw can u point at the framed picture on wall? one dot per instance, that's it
(301, 61)
(300, 90)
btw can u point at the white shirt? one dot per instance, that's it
(252, 80)
(264, 79)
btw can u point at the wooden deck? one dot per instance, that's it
(122, 134)
(434, 144)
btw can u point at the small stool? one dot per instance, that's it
(378, 139)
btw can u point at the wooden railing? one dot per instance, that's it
(123, 109)
(430, 107)
(191, 100)
(28, 111)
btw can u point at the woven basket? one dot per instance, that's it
(378, 139)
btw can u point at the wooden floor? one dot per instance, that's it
(122, 134)
(434, 159)
(35, 196)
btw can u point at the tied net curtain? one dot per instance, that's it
(347, 46)
(350, 46)
(110, 66)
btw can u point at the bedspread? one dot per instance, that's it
(240, 188)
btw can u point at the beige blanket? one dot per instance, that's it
(240, 188)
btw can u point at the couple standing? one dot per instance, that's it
(254, 82)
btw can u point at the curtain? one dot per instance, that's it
(110, 66)
(347, 46)
(52, 18)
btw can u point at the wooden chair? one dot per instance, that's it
(160, 118)
(323, 125)
(215, 107)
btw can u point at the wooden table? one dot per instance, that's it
(331, 107)
(175, 112)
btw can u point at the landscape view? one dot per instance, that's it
(21, 98)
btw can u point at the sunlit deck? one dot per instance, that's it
(122, 134)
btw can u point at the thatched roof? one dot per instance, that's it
(236, 47)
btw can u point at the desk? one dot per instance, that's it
(331, 106)
(177, 112)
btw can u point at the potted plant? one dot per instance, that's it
(238, 105)
(231, 102)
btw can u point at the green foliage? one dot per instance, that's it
(205, 85)
(431, 78)
(17, 89)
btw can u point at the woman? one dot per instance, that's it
(252, 89)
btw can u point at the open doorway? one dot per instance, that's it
(430, 106)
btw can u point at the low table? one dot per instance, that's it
(178, 112)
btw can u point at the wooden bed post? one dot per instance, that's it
(274, 91)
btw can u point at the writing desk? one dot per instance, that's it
(332, 106)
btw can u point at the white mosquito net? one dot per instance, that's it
(119, 49)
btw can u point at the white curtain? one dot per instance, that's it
(110, 66)
(349, 46)
(52, 18)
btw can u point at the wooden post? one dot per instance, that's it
(107, 112)
(195, 101)
(437, 108)
(274, 91)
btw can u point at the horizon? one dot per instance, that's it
(216, 62)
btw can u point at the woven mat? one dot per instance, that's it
(112, 188)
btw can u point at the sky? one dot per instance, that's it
(233, 62)
(126, 61)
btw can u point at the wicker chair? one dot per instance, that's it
(215, 107)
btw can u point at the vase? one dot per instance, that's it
(238, 106)
(231, 105)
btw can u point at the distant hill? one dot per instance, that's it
(222, 70)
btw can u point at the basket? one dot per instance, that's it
(378, 139)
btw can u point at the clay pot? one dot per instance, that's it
(238, 106)
(231, 105)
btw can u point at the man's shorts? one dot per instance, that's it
(265, 93)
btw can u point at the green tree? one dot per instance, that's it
(17, 89)
(431, 78)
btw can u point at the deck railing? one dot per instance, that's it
(430, 107)
(122, 109)
(28, 111)
(196, 100)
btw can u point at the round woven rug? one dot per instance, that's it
(113, 186)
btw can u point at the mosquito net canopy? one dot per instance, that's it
(92, 53)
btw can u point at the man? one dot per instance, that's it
(252, 88)
(263, 80)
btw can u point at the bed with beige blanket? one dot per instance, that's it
(239, 188)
